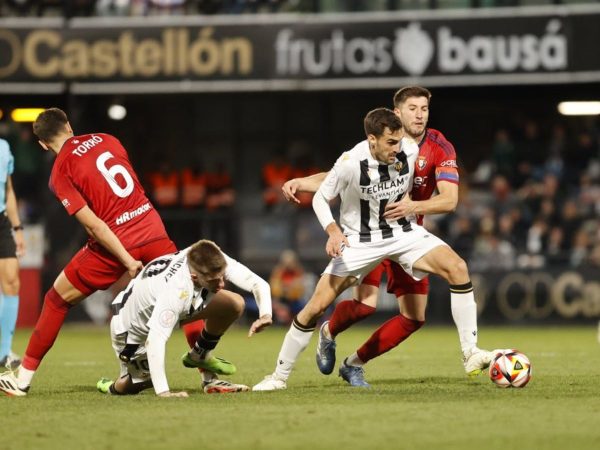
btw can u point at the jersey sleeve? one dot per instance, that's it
(244, 278)
(66, 193)
(166, 313)
(446, 168)
(337, 178)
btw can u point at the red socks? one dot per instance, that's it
(192, 331)
(347, 313)
(46, 329)
(388, 336)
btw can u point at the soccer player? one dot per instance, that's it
(366, 178)
(183, 286)
(11, 246)
(435, 168)
(95, 182)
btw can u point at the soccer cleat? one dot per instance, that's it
(354, 375)
(213, 364)
(8, 385)
(224, 387)
(270, 383)
(476, 361)
(103, 385)
(10, 361)
(325, 352)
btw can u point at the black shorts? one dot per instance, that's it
(8, 248)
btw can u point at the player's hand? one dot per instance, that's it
(19, 242)
(170, 394)
(260, 324)
(335, 243)
(396, 210)
(289, 190)
(134, 268)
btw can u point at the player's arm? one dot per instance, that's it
(444, 202)
(161, 324)
(305, 184)
(101, 232)
(328, 190)
(12, 211)
(245, 279)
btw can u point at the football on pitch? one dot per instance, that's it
(510, 368)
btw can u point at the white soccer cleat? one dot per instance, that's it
(476, 361)
(8, 385)
(224, 387)
(270, 383)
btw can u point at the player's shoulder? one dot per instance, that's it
(436, 139)
(357, 153)
(4, 146)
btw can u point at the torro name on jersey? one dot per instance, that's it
(82, 148)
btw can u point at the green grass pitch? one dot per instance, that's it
(420, 397)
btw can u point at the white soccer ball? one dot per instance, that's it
(510, 368)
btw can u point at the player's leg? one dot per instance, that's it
(224, 309)
(443, 261)
(89, 270)
(9, 308)
(300, 332)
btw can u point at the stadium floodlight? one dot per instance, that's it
(579, 108)
(25, 114)
(117, 112)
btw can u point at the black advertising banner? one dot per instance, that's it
(485, 47)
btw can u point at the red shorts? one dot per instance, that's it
(93, 268)
(399, 282)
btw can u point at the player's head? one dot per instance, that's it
(384, 131)
(411, 104)
(207, 265)
(51, 125)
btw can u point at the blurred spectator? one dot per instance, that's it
(164, 185)
(580, 156)
(274, 174)
(115, 7)
(531, 153)
(220, 193)
(503, 155)
(193, 187)
(29, 168)
(287, 287)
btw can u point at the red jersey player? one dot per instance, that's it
(435, 167)
(93, 179)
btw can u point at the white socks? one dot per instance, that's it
(24, 378)
(296, 340)
(464, 313)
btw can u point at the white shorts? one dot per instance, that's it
(405, 248)
(137, 366)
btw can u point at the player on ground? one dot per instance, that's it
(182, 286)
(11, 246)
(94, 180)
(366, 178)
(435, 167)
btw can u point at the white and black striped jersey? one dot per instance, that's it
(366, 186)
(163, 294)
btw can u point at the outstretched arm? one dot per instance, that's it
(305, 184)
(444, 202)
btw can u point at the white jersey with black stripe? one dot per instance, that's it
(365, 186)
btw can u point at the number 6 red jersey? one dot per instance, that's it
(94, 170)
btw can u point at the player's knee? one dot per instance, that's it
(457, 271)
(12, 286)
(237, 305)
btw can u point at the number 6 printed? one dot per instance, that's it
(109, 175)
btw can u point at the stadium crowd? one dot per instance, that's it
(84, 8)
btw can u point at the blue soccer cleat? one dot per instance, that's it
(325, 352)
(354, 375)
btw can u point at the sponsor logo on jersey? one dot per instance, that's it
(183, 295)
(398, 165)
(420, 181)
(129, 215)
(449, 163)
(386, 189)
(421, 162)
(66, 203)
(167, 318)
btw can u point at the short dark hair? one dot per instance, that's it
(49, 124)
(206, 256)
(410, 91)
(379, 119)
